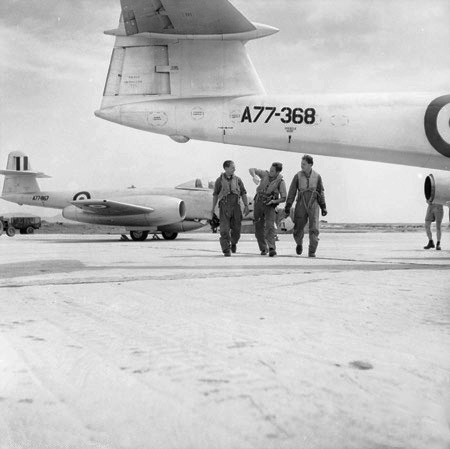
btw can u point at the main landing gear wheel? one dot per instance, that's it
(138, 236)
(169, 235)
(11, 232)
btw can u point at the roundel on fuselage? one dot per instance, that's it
(437, 124)
(82, 196)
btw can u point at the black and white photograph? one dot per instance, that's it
(225, 224)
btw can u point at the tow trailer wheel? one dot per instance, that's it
(29, 230)
(11, 232)
(138, 236)
(169, 235)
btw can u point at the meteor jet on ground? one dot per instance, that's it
(165, 210)
(180, 68)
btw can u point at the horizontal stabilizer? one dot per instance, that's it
(33, 174)
(196, 17)
(107, 207)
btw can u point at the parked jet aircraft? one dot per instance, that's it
(166, 210)
(180, 68)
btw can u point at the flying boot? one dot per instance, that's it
(430, 244)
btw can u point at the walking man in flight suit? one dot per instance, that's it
(228, 190)
(307, 185)
(270, 192)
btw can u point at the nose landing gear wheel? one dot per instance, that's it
(169, 235)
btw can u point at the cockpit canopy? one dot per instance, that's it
(197, 184)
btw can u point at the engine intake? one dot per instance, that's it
(437, 189)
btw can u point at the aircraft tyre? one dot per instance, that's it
(169, 235)
(11, 232)
(138, 236)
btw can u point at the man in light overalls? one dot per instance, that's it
(228, 189)
(310, 200)
(270, 192)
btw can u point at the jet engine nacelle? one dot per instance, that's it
(166, 210)
(437, 188)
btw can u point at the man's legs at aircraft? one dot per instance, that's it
(225, 226)
(438, 230)
(300, 220)
(270, 232)
(433, 214)
(260, 226)
(438, 235)
(430, 243)
(439, 217)
(428, 230)
(313, 230)
(235, 224)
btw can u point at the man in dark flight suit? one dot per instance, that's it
(228, 190)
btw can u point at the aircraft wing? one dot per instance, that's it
(107, 207)
(183, 17)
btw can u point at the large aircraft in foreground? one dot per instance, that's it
(164, 210)
(180, 68)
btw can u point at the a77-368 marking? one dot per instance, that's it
(287, 115)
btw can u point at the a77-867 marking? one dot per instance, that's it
(287, 114)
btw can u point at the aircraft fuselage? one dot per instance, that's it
(198, 204)
(407, 129)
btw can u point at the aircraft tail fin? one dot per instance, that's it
(19, 177)
(177, 52)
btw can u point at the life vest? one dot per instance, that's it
(229, 187)
(306, 184)
(268, 189)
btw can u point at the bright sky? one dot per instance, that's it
(54, 59)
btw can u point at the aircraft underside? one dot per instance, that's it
(383, 128)
(182, 69)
